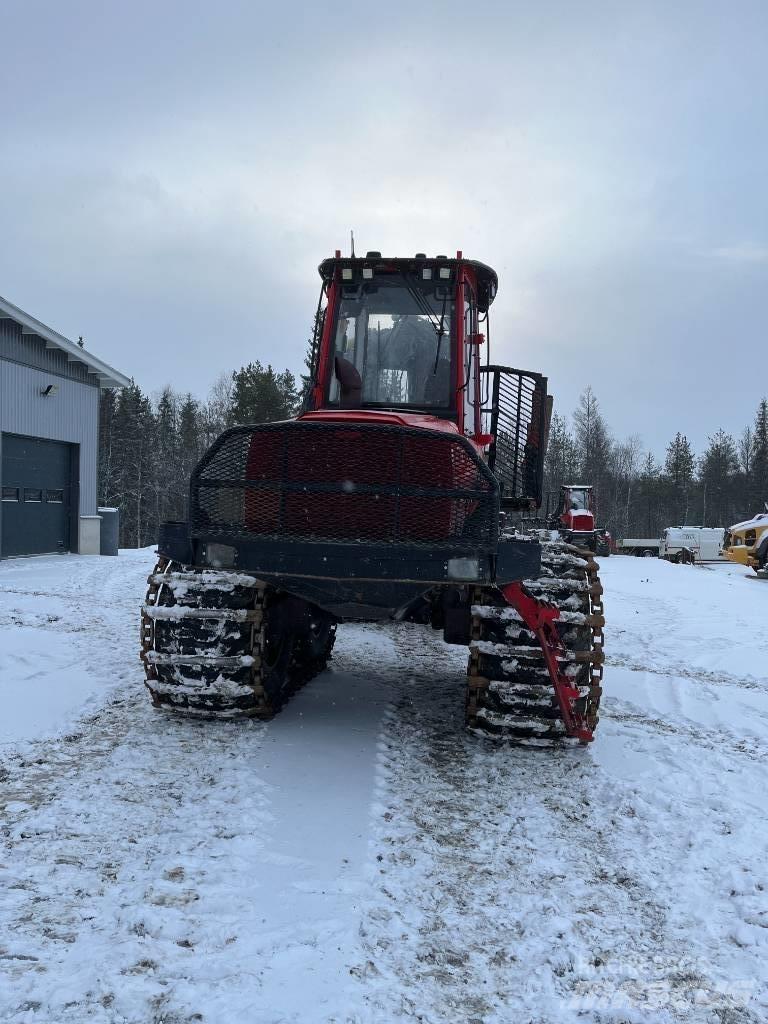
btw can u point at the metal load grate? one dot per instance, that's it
(346, 482)
(517, 419)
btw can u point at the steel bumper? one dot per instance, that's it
(347, 575)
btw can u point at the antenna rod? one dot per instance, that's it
(352, 243)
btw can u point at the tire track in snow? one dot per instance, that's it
(686, 672)
(154, 869)
(107, 874)
(718, 739)
(504, 884)
(510, 882)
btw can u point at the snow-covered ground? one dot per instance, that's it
(361, 859)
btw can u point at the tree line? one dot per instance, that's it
(638, 495)
(150, 445)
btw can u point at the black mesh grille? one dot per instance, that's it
(516, 416)
(305, 480)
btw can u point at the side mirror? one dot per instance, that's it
(350, 383)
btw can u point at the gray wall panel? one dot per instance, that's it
(70, 415)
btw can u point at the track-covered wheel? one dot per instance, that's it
(509, 688)
(316, 642)
(224, 644)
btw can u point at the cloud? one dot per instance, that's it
(170, 178)
(744, 253)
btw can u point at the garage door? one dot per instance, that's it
(36, 495)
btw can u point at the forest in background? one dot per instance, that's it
(638, 494)
(149, 446)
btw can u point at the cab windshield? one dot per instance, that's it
(396, 333)
(578, 499)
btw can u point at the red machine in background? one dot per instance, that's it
(574, 519)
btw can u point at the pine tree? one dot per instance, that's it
(679, 463)
(649, 521)
(133, 443)
(191, 448)
(679, 467)
(717, 470)
(745, 448)
(286, 384)
(165, 455)
(758, 476)
(106, 465)
(259, 395)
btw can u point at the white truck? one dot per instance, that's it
(704, 543)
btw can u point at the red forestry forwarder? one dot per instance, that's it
(384, 499)
(574, 519)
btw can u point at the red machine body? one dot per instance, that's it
(473, 286)
(575, 516)
(385, 498)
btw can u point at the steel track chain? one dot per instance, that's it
(262, 705)
(597, 622)
(530, 714)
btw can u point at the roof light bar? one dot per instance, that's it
(368, 273)
(346, 273)
(426, 274)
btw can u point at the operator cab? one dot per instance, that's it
(402, 334)
(398, 336)
(577, 498)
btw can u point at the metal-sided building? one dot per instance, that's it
(49, 435)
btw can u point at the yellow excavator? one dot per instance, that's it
(747, 543)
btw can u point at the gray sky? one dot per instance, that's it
(172, 173)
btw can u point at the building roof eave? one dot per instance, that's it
(107, 376)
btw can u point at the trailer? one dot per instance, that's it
(647, 546)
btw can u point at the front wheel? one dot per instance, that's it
(509, 688)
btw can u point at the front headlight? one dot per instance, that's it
(463, 568)
(220, 556)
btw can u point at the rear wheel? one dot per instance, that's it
(279, 645)
(315, 643)
(223, 644)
